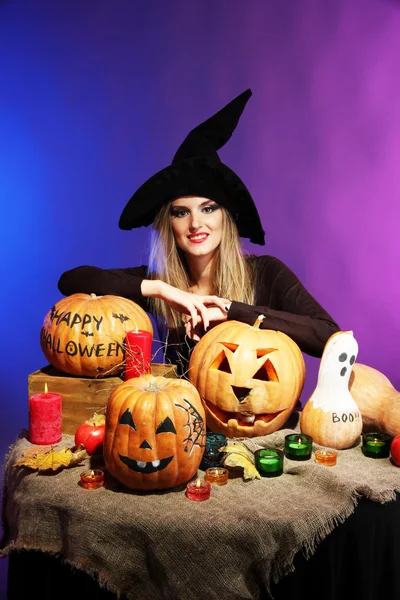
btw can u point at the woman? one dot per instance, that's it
(198, 275)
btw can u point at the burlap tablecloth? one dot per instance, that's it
(162, 545)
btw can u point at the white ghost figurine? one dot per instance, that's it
(331, 415)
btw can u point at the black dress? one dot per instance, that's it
(279, 295)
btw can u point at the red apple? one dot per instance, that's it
(395, 450)
(91, 434)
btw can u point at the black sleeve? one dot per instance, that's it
(116, 282)
(287, 307)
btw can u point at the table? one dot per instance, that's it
(358, 558)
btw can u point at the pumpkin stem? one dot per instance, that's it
(258, 321)
(153, 387)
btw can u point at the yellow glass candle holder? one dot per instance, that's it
(91, 480)
(326, 457)
(217, 475)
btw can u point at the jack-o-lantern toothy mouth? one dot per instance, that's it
(145, 467)
(245, 421)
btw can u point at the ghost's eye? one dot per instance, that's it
(343, 357)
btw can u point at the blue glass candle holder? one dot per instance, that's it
(212, 456)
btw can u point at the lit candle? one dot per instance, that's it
(298, 446)
(376, 445)
(45, 417)
(137, 353)
(198, 490)
(269, 462)
(91, 480)
(217, 475)
(326, 457)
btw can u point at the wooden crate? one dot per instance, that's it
(82, 396)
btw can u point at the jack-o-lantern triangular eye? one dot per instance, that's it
(267, 372)
(166, 426)
(126, 419)
(221, 362)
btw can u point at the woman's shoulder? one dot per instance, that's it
(266, 261)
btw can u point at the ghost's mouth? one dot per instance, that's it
(145, 467)
(244, 419)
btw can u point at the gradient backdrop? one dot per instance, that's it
(96, 95)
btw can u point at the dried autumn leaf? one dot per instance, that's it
(237, 448)
(52, 459)
(239, 460)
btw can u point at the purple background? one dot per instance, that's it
(96, 96)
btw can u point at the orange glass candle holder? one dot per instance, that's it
(217, 475)
(326, 457)
(92, 480)
(198, 490)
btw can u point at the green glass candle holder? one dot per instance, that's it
(376, 445)
(269, 462)
(298, 446)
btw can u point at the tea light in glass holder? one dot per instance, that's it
(198, 490)
(217, 475)
(91, 480)
(326, 457)
(269, 462)
(298, 446)
(376, 445)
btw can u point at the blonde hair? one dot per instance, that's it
(232, 275)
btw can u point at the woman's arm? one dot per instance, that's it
(94, 280)
(131, 283)
(287, 306)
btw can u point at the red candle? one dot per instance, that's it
(137, 353)
(198, 490)
(45, 417)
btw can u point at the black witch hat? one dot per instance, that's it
(196, 170)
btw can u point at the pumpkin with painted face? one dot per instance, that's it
(249, 379)
(155, 432)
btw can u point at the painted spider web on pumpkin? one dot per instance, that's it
(195, 425)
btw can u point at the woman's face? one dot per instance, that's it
(197, 225)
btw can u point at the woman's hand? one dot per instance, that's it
(195, 306)
(200, 310)
(214, 315)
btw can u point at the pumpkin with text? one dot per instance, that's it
(249, 378)
(377, 399)
(83, 334)
(331, 416)
(155, 432)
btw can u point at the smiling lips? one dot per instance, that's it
(197, 238)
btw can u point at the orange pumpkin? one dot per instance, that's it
(84, 334)
(155, 432)
(376, 398)
(249, 379)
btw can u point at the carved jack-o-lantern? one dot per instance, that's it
(249, 378)
(155, 432)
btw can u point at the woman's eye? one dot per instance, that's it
(210, 208)
(179, 213)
